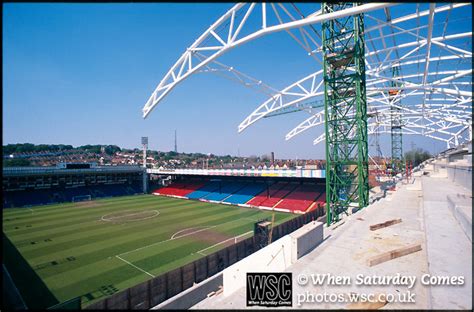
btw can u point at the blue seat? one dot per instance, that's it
(226, 189)
(245, 194)
(203, 191)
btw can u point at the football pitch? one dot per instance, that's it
(93, 249)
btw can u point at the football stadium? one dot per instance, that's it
(109, 228)
(380, 204)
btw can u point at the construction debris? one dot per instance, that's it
(212, 293)
(384, 224)
(392, 254)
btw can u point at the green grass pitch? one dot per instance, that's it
(93, 249)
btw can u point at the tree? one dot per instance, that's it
(91, 148)
(112, 149)
(417, 156)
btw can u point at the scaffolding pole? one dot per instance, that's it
(347, 182)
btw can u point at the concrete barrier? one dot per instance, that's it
(305, 239)
(461, 174)
(193, 295)
(461, 208)
(275, 257)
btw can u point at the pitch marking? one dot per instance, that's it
(167, 240)
(235, 238)
(202, 229)
(133, 214)
(135, 266)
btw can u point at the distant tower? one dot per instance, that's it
(175, 142)
(273, 158)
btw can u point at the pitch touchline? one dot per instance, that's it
(135, 266)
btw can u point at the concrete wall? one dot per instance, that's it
(440, 170)
(461, 207)
(305, 239)
(461, 175)
(191, 296)
(275, 257)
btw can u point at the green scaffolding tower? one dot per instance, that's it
(347, 181)
(396, 122)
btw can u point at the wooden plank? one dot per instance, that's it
(392, 254)
(384, 224)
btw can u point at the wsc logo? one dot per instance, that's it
(269, 289)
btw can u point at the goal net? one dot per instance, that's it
(80, 198)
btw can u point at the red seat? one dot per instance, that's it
(260, 198)
(300, 199)
(277, 196)
(179, 189)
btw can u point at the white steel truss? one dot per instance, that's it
(436, 88)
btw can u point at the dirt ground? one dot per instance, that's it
(213, 237)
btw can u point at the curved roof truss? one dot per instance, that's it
(436, 69)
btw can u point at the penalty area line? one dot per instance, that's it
(127, 262)
(222, 242)
(164, 241)
(194, 232)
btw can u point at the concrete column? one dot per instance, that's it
(145, 182)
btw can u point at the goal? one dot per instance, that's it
(80, 198)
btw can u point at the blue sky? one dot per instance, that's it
(80, 74)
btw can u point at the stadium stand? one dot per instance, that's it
(260, 198)
(179, 189)
(225, 190)
(47, 196)
(247, 193)
(300, 199)
(321, 201)
(203, 191)
(279, 195)
(21, 198)
(295, 197)
(30, 186)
